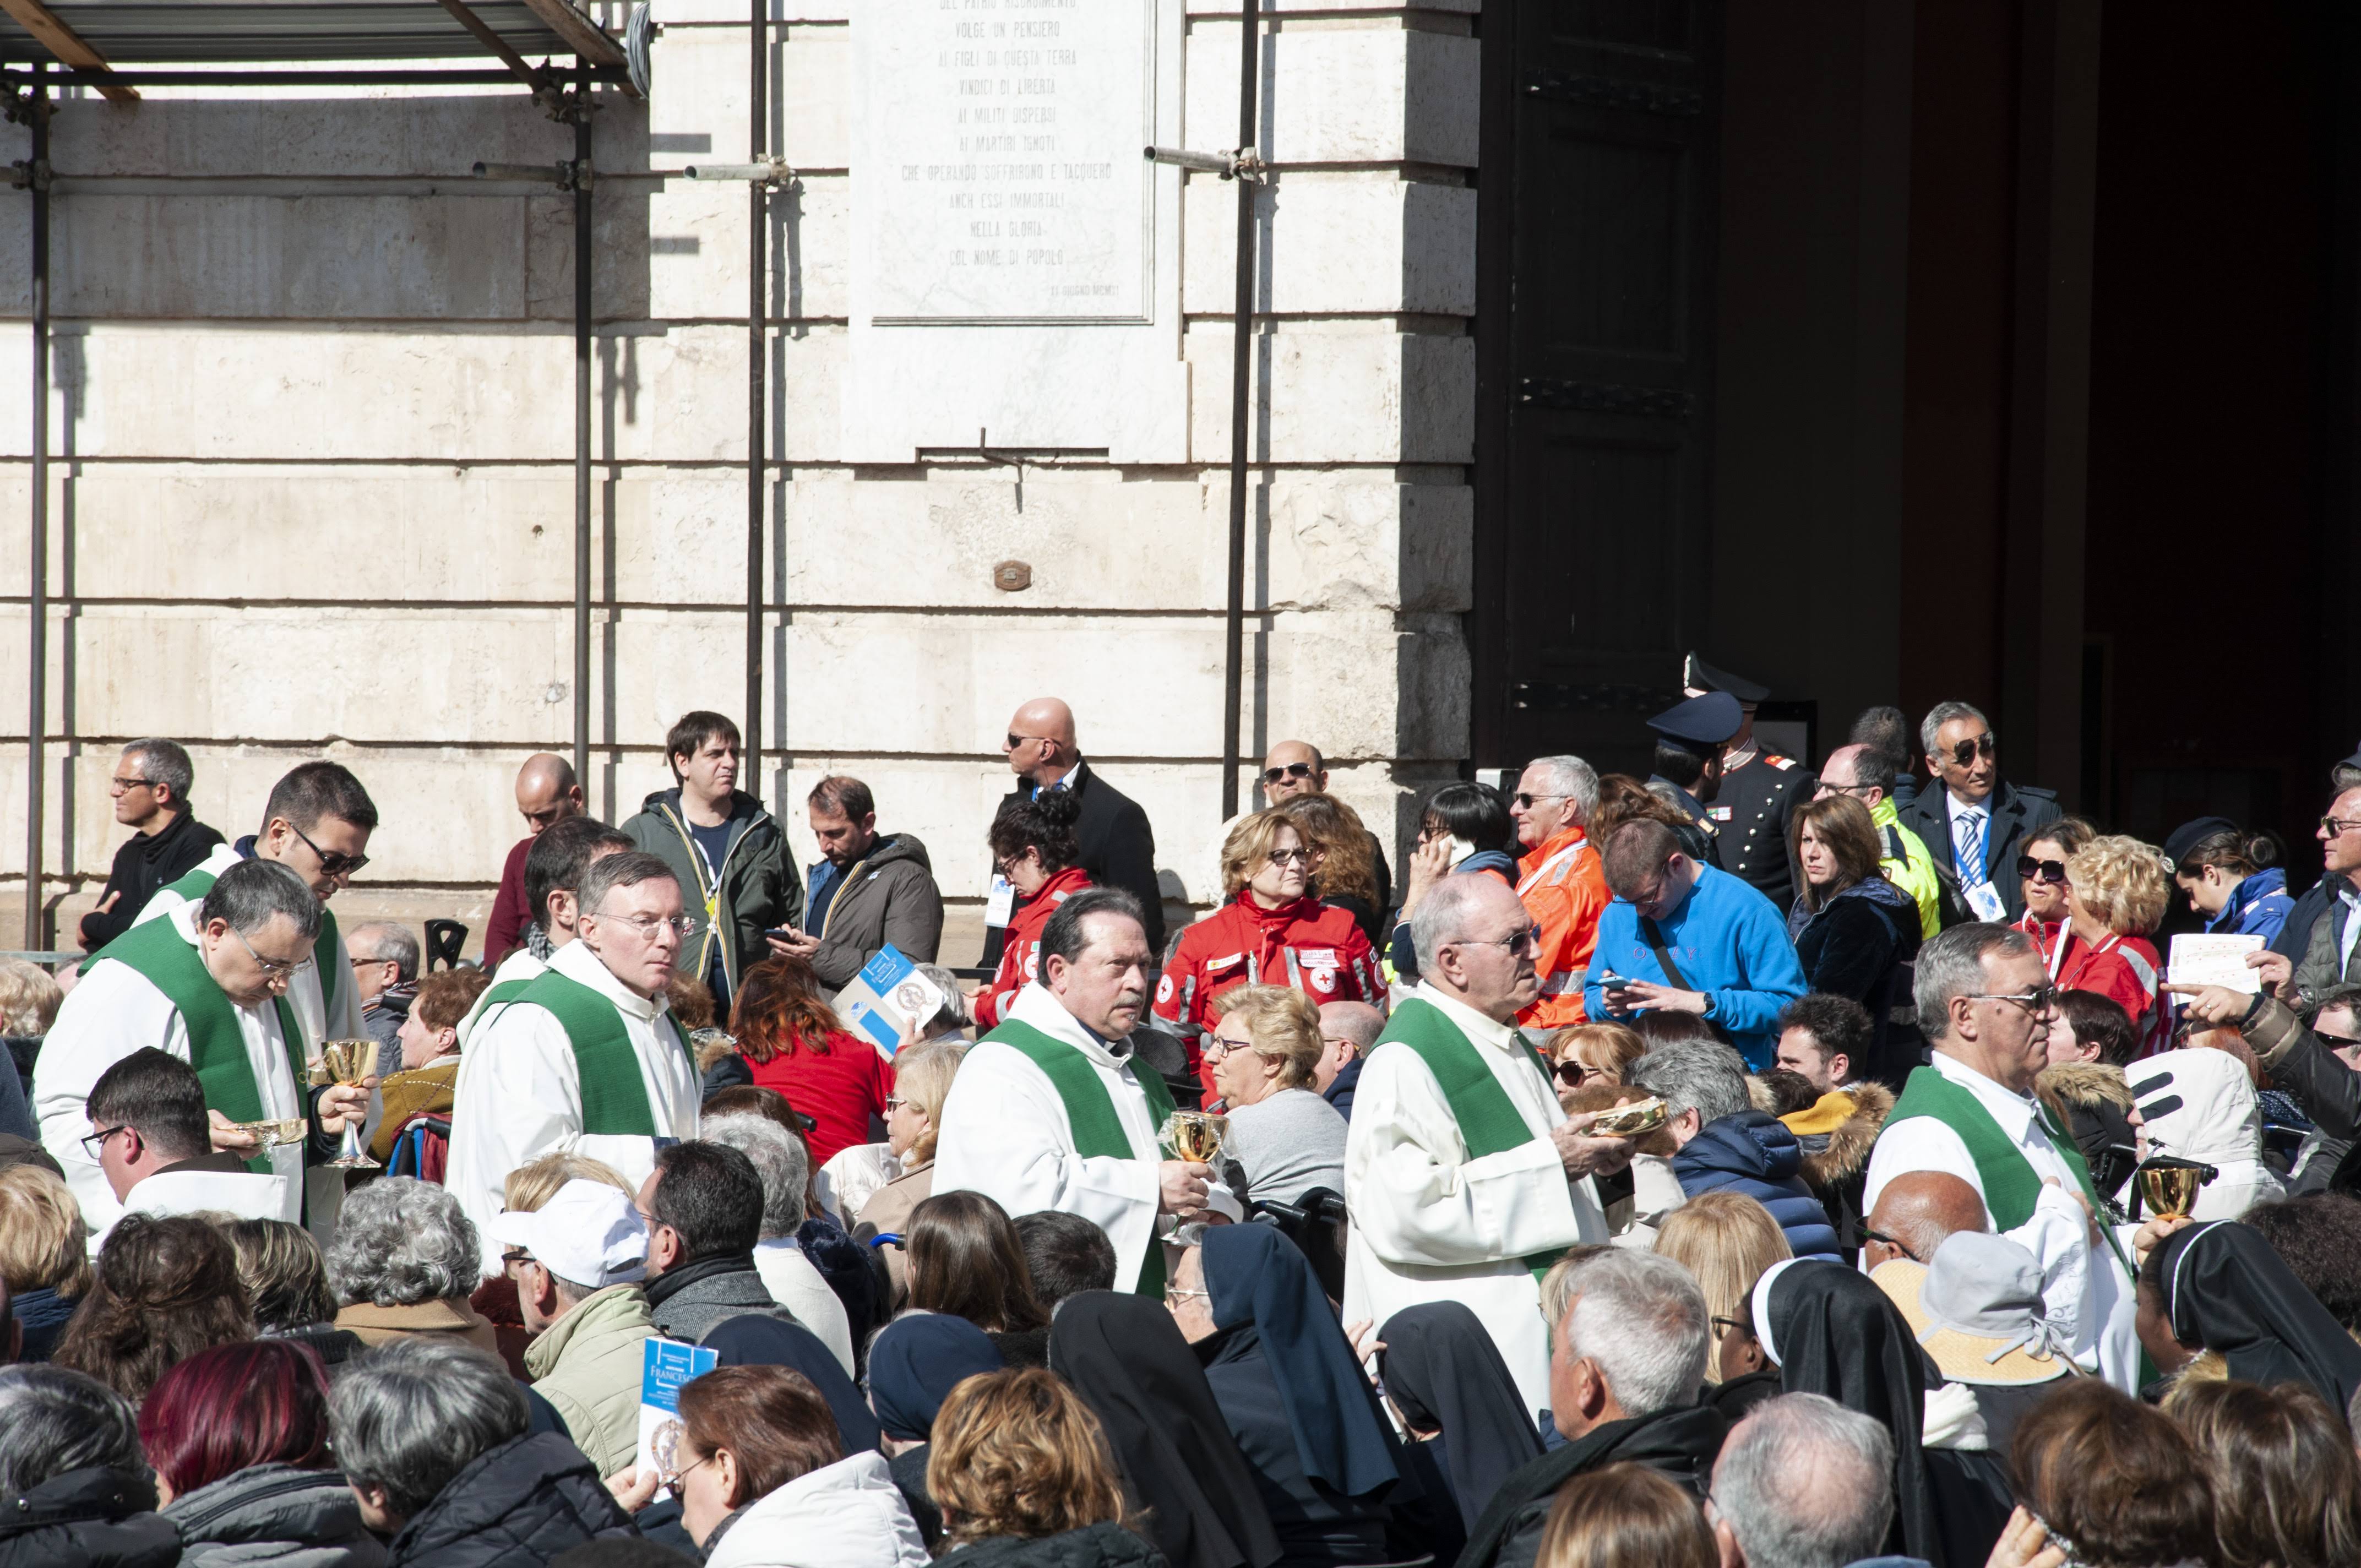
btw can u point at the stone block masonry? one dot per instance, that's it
(312, 462)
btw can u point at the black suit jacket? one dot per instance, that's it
(1118, 850)
(2016, 815)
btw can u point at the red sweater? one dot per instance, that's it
(840, 1088)
(1020, 953)
(512, 912)
(1316, 948)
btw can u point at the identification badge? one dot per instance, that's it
(1984, 900)
(1001, 901)
(1718, 813)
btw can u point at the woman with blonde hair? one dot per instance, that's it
(2117, 890)
(43, 1256)
(1592, 1053)
(1025, 1478)
(1625, 1516)
(1272, 932)
(922, 1081)
(1283, 1135)
(1346, 869)
(1728, 1242)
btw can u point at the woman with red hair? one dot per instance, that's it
(238, 1436)
(793, 1043)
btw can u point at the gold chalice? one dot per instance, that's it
(346, 1062)
(1197, 1135)
(2171, 1190)
(1635, 1120)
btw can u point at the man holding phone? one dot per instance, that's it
(1685, 938)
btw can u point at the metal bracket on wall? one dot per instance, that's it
(772, 173)
(30, 174)
(1245, 163)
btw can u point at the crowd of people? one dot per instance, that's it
(1741, 1164)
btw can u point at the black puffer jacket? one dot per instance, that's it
(88, 1519)
(516, 1506)
(1092, 1546)
(275, 1514)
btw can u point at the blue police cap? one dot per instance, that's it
(1701, 722)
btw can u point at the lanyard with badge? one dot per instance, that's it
(712, 889)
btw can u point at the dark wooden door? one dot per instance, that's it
(1595, 369)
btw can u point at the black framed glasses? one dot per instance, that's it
(2030, 869)
(97, 1140)
(2334, 825)
(1883, 1240)
(1526, 797)
(330, 862)
(2038, 1000)
(1574, 1073)
(1017, 741)
(1829, 787)
(1735, 1325)
(1984, 745)
(133, 783)
(1291, 771)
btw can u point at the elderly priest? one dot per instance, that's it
(1464, 1178)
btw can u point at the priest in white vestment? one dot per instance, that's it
(1053, 1111)
(1986, 1003)
(588, 1060)
(554, 869)
(1464, 1177)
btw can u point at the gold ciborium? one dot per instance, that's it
(273, 1130)
(2171, 1190)
(1196, 1136)
(346, 1062)
(1635, 1120)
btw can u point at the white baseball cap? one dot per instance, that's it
(589, 1232)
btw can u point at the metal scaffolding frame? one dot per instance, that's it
(117, 49)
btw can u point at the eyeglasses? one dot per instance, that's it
(515, 1255)
(1215, 1047)
(1984, 745)
(1173, 1291)
(1735, 1325)
(2037, 1001)
(331, 863)
(1291, 771)
(2030, 869)
(647, 925)
(272, 969)
(1290, 857)
(1526, 798)
(135, 784)
(1530, 938)
(672, 1479)
(1828, 788)
(1883, 1239)
(1571, 1073)
(1017, 741)
(2333, 827)
(92, 1145)
(894, 1100)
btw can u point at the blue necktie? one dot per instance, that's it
(1969, 835)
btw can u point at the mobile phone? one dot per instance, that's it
(782, 933)
(1460, 850)
(1610, 980)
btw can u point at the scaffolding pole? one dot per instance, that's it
(582, 268)
(757, 305)
(37, 583)
(1241, 384)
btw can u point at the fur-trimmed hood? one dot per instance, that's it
(1846, 1153)
(2084, 1085)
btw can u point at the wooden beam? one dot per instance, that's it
(583, 35)
(66, 44)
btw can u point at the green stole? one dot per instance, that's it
(156, 952)
(1098, 1132)
(193, 886)
(614, 1096)
(1489, 1122)
(2011, 1188)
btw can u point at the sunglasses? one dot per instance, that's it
(2030, 869)
(1292, 771)
(2036, 1001)
(1984, 745)
(1526, 799)
(1880, 1236)
(1573, 1073)
(331, 863)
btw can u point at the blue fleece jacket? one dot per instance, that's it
(1753, 1155)
(1728, 940)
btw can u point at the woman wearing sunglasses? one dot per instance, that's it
(2041, 869)
(1271, 932)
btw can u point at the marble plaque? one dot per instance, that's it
(1015, 260)
(1017, 191)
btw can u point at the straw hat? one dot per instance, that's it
(1977, 1311)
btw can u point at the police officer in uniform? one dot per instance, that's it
(1690, 738)
(1760, 791)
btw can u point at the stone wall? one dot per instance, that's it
(312, 443)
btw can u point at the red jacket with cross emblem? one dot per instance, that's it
(1316, 948)
(1020, 953)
